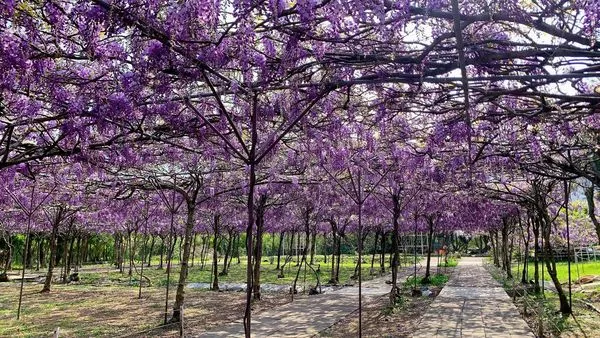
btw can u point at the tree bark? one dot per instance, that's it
(536, 266)
(150, 251)
(29, 255)
(307, 213)
(525, 274)
(427, 277)
(194, 249)
(78, 256)
(53, 245)
(203, 251)
(339, 258)
(546, 224)
(8, 257)
(589, 194)
(313, 247)
(374, 252)
(215, 259)
(298, 248)
(382, 258)
(183, 272)
(41, 258)
(84, 255)
(395, 292)
(505, 250)
(162, 251)
(334, 250)
(227, 254)
(260, 221)
(280, 250)
(69, 260)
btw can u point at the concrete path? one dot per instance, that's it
(307, 316)
(472, 304)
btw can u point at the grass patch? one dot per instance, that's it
(452, 262)
(107, 275)
(435, 280)
(541, 310)
(578, 270)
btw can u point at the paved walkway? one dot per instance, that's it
(307, 316)
(472, 304)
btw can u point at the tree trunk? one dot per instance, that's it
(162, 251)
(130, 249)
(249, 229)
(183, 272)
(536, 266)
(339, 258)
(374, 252)
(334, 250)
(260, 221)
(215, 259)
(427, 277)
(234, 240)
(29, 255)
(180, 251)
(395, 292)
(291, 245)
(227, 254)
(333, 280)
(86, 243)
(78, 257)
(525, 274)
(495, 248)
(65, 253)
(202, 252)
(9, 253)
(122, 247)
(69, 260)
(41, 258)
(325, 240)
(382, 258)
(194, 249)
(150, 251)
(53, 245)
(313, 247)
(237, 248)
(307, 213)
(280, 250)
(505, 250)
(565, 307)
(173, 245)
(298, 249)
(117, 249)
(589, 194)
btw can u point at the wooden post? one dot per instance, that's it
(56, 332)
(181, 327)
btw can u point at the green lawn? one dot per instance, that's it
(435, 280)
(577, 270)
(107, 275)
(452, 262)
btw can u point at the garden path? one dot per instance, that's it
(307, 316)
(472, 304)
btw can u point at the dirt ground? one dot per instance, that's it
(87, 311)
(379, 321)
